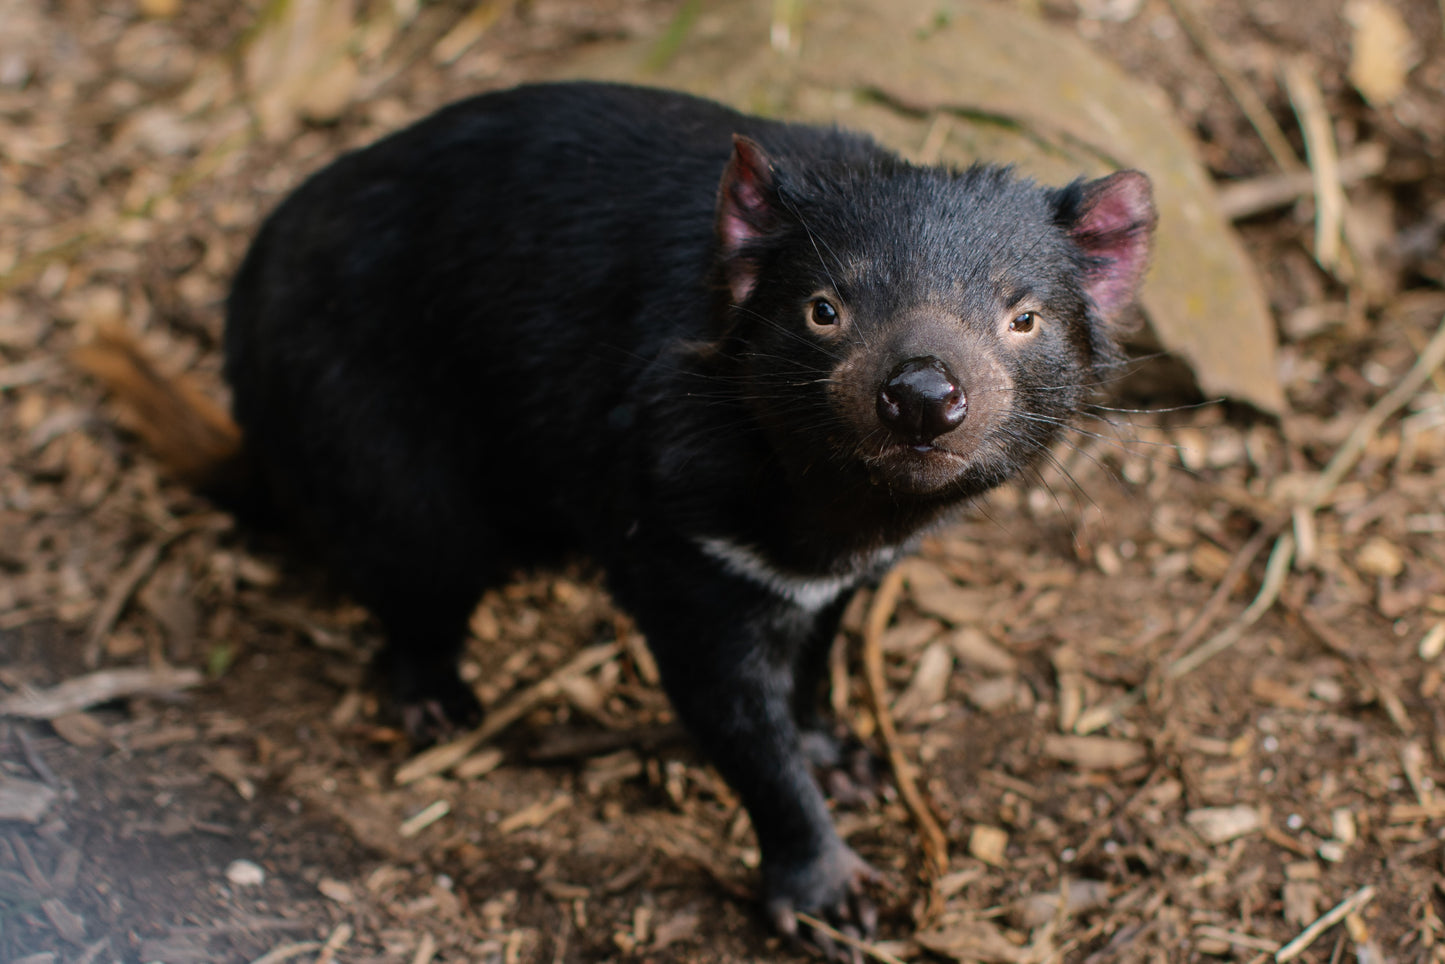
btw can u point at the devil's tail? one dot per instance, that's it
(192, 436)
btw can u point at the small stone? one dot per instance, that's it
(244, 873)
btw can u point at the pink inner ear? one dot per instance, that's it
(1115, 226)
(743, 212)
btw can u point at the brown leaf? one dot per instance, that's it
(1031, 94)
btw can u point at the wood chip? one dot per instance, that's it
(936, 594)
(1094, 752)
(1079, 897)
(23, 800)
(1433, 643)
(336, 890)
(536, 814)
(1271, 690)
(479, 764)
(970, 645)
(929, 685)
(1217, 825)
(80, 729)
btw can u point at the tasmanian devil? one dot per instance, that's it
(742, 364)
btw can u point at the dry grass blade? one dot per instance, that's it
(1276, 570)
(1314, 118)
(1244, 199)
(1237, 566)
(1340, 464)
(935, 842)
(1244, 95)
(470, 29)
(1349, 452)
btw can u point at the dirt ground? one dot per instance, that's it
(1106, 795)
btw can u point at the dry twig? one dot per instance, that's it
(1244, 95)
(1331, 917)
(442, 758)
(1246, 198)
(100, 687)
(116, 597)
(1349, 452)
(868, 950)
(1276, 570)
(1314, 119)
(935, 842)
(1339, 465)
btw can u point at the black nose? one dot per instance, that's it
(921, 400)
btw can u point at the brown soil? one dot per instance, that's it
(597, 834)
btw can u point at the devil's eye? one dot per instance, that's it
(824, 314)
(1023, 323)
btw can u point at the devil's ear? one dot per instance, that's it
(1112, 221)
(747, 211)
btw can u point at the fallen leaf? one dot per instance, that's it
(1033, 95)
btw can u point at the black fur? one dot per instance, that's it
(508, 332)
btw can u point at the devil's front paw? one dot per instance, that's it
(831, 887)
(845, 770)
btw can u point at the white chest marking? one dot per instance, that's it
(810, 592)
